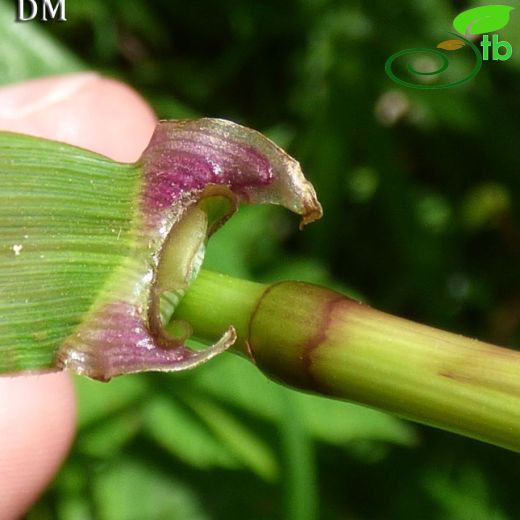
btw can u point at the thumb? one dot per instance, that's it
(85, 110)
(37, 413)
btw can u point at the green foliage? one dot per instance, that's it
(421, 195)
(26, 52)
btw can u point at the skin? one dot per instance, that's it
(37, 413)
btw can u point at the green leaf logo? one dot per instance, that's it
(480, 20)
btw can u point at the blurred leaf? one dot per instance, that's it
(27, 52)
(434, 212)
(239, 383)
(362, 183)
(106, 439)
(99, 400)
(338, 422)
(73, 500)
(480, 20)
(236, 382)
(300, 478)
(73, 507)
(167, 107)
(281, 134)
(466, 496)
(312, 271)
(302, 269)
(242, 442)
(243, 241)
(185, 436)
(451, 110)
(42, 511)
(484, 204)
(131, 490)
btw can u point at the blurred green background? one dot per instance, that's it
(421, 195)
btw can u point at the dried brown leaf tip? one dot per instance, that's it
(193, 176)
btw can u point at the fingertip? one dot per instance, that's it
(116, 121)
(86, 110)
(37, 414)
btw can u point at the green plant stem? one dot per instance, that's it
(318, 340)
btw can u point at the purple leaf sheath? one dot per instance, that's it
(192, 177)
